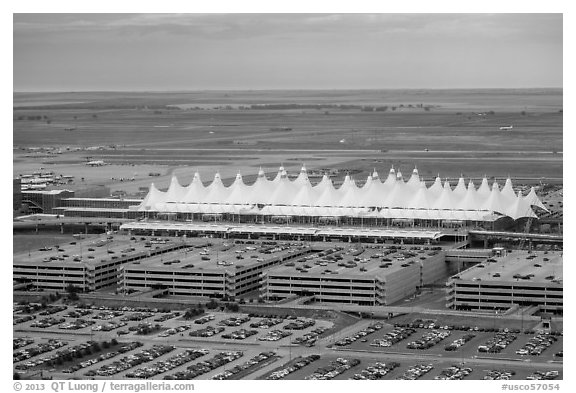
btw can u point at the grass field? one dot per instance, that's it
(451, 132)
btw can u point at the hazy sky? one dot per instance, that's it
(74, 52)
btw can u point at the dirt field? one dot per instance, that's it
(451, 132)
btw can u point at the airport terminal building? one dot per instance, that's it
(392, 202)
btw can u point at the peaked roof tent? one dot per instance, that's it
(302, 177)
(391, 179)
(533, 200)
(507, 191)
(306, 199)
(239, 191)
(420, 199)
(484, 189)
(176, 192)
(414, 181)
(281, 172)
(216, 191)
(195, 191)
(153, 198)
(445, 200)
(436, 188)
(520, 208)
(494, 201)
(460, 189)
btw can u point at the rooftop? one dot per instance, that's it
(535, 267)
(87, 251)
(221, 255)
(44, 192)
(357, 260)
(276, 229)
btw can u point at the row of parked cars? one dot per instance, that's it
(299, 324)
(454, 345)
(106, 327)
(168, 364)
(429, 339)
(274, 335)
(253, 362)
(138, 316)
(376, 371)
(204, 319)
(498, 375)
(165, 317)
(80, 312)
(334, 369)
(359, 335)
(133, 360)
(546, 375)
(52, 309)
(297, 365)
(537, 344)
(309, 339)
(22, 319)
(109, 355)
(175, 330)
(67, 352)
(416, 372)
(454, 373)
(27, 353)
(76, 324)
(240, 334)
(266, 323)
(47, 322)
(107, 315)
(497, 343)
(393, 337)
(206, 366)
(19, 342)
(235, 321)
(208, 331)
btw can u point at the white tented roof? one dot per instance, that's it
(533, 200)
(393, 198)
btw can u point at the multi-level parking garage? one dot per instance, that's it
(223, 270)
(364, 275)
(87, 265)
(518, 278)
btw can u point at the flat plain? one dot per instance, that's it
(446, 132)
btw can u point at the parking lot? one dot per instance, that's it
(390, 367)
(378, 340)
(159, 341)
(172, 347)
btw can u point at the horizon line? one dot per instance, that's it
(286, 89)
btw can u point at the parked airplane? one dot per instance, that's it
(95, 163)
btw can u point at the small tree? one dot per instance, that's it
(72, 292)
(212, 304)
(113, 342)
